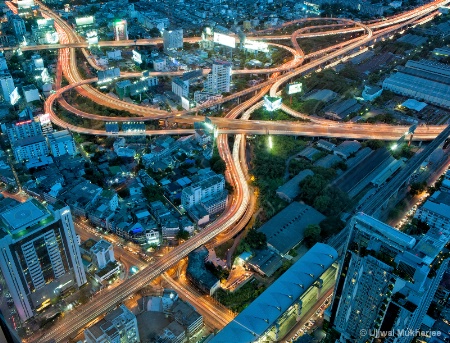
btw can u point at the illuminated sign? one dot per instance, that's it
(120, 30)
(44, 119)
(272, 103)
(185, 103)
(92, 37)
(294, 88)
(25, 4)
(222, 39)
(44, 23)
(23, 122)
(83, 21)
(137, 57)
(14, 97)
(52, 37)
(256, 46)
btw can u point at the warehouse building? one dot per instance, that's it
(422, 80)
(270, 316)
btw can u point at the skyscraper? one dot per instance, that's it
(387, 281)
(39, 254)
(219, 80)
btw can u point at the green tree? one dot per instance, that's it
(219, 167)
(153, 193)
(417, 187)
(331, 226)
(312, 234)
(183, 234)
(311, 187)
(255, 239)
(322, 203)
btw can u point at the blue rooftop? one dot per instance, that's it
(263, 312)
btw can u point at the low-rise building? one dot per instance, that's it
(62, 143)
(370, 93)
(291, 188)
(266, 262)
(321, 143)
(347, 148)
(119, 325)
(197, 273)
(102, 253)
(436, 211)
(285, 230)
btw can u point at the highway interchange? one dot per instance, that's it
(240, 207)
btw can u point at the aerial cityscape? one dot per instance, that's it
(223, 171)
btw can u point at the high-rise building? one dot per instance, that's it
(23, 129)
(219, 80)
(118, 326)
(62, 143)
(210, 189)
(173, 39)
(39, 254)
(3, 65)
(7, 84)
(18, 26)
(30, 147)
(120, 29)
(387, 281)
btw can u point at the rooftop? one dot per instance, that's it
(291, 188)
(265, 310)
(29, 140)
(384, 231)
(196, 268)
(285, 230)
(24, 215)
(101, 245)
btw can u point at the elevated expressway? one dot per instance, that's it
(237, 209)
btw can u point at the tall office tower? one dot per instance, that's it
(173, 39)
(120, 29)
(219, 80)
(7, 84)
(387, 281)
(39, 254)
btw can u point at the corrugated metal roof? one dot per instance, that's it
(263, 312)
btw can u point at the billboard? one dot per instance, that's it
(256, 45)
(222, 39)
(83, 21)
(41, 23)
(14, 96)
(294, 88)
(25, 3)
(272, 103)
(137, 57)
(44, 119)
(185, 103)
(120, 30)
(92, 37)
